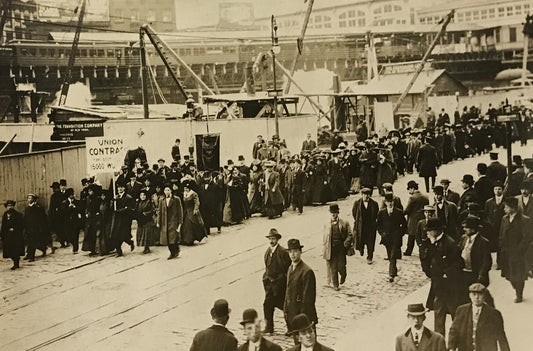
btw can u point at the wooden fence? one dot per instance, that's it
(34, 173)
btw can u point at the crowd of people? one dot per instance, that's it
(179, 205)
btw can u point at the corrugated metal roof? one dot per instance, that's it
(395, 84)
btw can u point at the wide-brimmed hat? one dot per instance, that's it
(33, 195)
(416, 309)
(273, 233)
(69, 191)
(55, 185)
(9, 203)
(445, 181)
(249, 316)
(366, 191)
(412, 184)
(293, 244)
(497, 183)
(301, 322)
(334, 208)
(438, 190)
(429, 208)
(270, 164)
(63, 182)
(220, 308)
(434, 224)
(387, 186)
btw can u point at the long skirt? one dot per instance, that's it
(146, 234)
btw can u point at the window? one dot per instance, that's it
(483, 14)
(377, 11)
(352, 23)
(460, 17)
(422, 20)
(51, 52)
(518, 9)
(361, 22)
(100, 53)
(32, 51)
(83, 53)
(42, 52)
(342, 24)
(110, 53)
(351, 13)
(92, 53)
(397, 8)
(501, 11)
(509, 10)
(475, 15)
(512, 34)
(343, 15)
(492, 13)
(327, 25)
(387, 8)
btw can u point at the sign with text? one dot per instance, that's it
(77, 130)
(208, 152)
(511, 117)
(105, 154)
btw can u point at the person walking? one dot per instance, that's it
(92, 217)
(365, 211)
(11, 234)
(418, 337)
(54, 213)
(305, 335)
(124, 208)
(443, 264)
(36, 228)
(217, 337)
(446, 211)
(337, 240)
(414, 213)
(469, 194)
(145, 221)
(477, 325)
(301, 287)
(169, 221)
(515, 237)
(193, 228)
(391, 225)
(273, 199)
(427, 162)
(277, 262)
(297, 186)
(475, 250)
(449, 194)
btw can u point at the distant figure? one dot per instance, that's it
(175, 152)
(11, 234)
(443, 119)
(449, 194)
(477, 326)
(257, 146)
(414, 212)
(308, 144)
(217, 337)
(430, 118)
(337, 239)
(418, 337)
(365, 212)
(496, 171)
(426, 163)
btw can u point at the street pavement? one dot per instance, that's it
(145, 302)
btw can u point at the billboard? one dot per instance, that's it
(235, 13)
(63, 10)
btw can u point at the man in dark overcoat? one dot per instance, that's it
(475, 250)
(514, 181)
(92, 219)
(337, 238)
(525, 200)
(11, 234)
(297, 188)
(477, 325)
(418, 337)
(300, 295)
(210, 206)
(449, 194)
(443, 264)
(388, 188)
(365, 212)
(427, 162)
(308, 144)
(446, 211)
(496, 171)
(515, 237)
(36, 228)
(494, 213)
(414, 212)
(134, 187)
(391, 225)
(413, 145)
(169, 221)
(124, 209)
(71, 212)
(469, 194)
(483, 185)
(54, 213)
(217, 337)
(277, 262)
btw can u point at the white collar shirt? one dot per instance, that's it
(417, 334)
(433, 241)
(254, 346)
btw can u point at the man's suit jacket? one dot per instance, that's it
(391, 227)
(395, 200)
(480, 258)
(317, 347)
(308, 145)
(357, 213)
(496, 171)
(451, 217)
(430, 341)
(468, 195)
(413, 210)
(275, 276)
(214, 338)
(346, 234)
(134, 190)
(484, 189)
(526, 210)
(452, 196)
(489, 331)
(427, 161)
(300, 295)
(264, 345)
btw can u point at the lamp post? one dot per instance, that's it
(275, 51)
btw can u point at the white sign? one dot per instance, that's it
(384, 117)
(105, 154)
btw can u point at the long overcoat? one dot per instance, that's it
(414, 212)
(515, 237)
(11, 234)
(427, 161)
(169, 219)
(122, 217)
(300, 295)
(36, 226)
(357, 213)
(273, 182)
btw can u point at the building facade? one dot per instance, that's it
(15, 26)
(129, 15)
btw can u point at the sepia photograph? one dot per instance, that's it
(266, 175)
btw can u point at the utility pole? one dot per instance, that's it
(528, 32)
(144, 74)
(275, 51)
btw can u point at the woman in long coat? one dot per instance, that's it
(145, 222)
(234, 206)
(273, 199)
(36, 228)
(169, 221)
(338, 187)
(320, 187)
(385, 172)
(193, 228)
(308, 166)
(210, 204)
(368, 161)
(255, 194)
(104, 245)
(11, 234)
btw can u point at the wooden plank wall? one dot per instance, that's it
(34, 173)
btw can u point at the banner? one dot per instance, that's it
(105, 154)
(208, 152)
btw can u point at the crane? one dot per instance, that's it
(445, 23)
(72, 56)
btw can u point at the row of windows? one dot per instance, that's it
(387, 8)
(150, 15)
(482, 14)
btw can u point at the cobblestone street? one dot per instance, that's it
(144, 302)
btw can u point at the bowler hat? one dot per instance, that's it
(434, 224)
(249, 316)
(9, 203)
(300, 322)
(493, 155)
(293, 244)
(387, 186)
(63, 182)
(517, 159)
(471, 222)
(477, 287)
(273, 232)
(83, 181)
(497, 183)
(445, 181)
(161, 160)
(438, 190)
(474, 207)
(416, 309)
(241, 158)
(527, 184)
(412, 185)
(69, 191)
(429, 208)
(33, 195)
(55, 185)
(220, 308)
(334, 208)
(468, 179)
(528, 162)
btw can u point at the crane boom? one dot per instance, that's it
(72, 56)
(447, 21)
